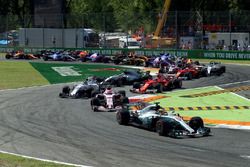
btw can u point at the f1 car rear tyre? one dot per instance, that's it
(116, 62)
(62, 95)
(66, 89)
(163, 128)
(83, 59)
(223, 69)
(195, 123)
(123, 117)
(159, 88)
(45, 58)
(137, 63)
(189, 76)
(125, 100)
(197, 63)
(105, 60)
(178, 83)
(95, 102)
(204, 73)
(119, 83)
(78, 95)
(93, 93)
(7, 56)
(136, 85)
(122, 92)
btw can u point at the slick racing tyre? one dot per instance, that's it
(122, 92)
(189, 76)
(123, 117)
(95, 102)
(159, 88)
(163, 128)
(66, 89)
(136, 85)
(195, 123)
(8, 56)
(118, 83)
(125, 100)
(178, 83)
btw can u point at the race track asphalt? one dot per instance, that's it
(36, 122)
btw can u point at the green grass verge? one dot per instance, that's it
(2, 55)
(19, 74)
(7, 160)
(84, 71)
(224, 99)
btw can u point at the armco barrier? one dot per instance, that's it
(198, 54)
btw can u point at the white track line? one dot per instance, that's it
(234, 93)
(234, 83)
(45, 160)
(240, 96)
(39, 86)
(245, 156)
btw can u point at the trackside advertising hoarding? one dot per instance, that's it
(199, 54)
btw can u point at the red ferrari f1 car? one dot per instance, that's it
(162, 82)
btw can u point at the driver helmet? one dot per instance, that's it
(161, 111)
(108, 90)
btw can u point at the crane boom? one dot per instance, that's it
(162, 18)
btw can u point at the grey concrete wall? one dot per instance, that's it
(52, 37)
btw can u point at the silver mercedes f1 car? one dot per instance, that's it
(154, 117)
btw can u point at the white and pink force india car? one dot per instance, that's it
(154, 117)
(109, 101)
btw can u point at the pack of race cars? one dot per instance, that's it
(103, 98)
(172, 72)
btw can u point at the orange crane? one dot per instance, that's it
(157, 40)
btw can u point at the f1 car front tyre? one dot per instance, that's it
(95, 102)
(123, 117)
(62, 95)
(195, 123)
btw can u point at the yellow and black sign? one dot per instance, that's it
(235, 89)
(207, 108)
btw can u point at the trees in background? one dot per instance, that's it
(108, 15)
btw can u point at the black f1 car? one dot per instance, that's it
(128, 77)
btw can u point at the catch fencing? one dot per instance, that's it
(189, 30)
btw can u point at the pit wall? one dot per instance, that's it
(195, 54)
